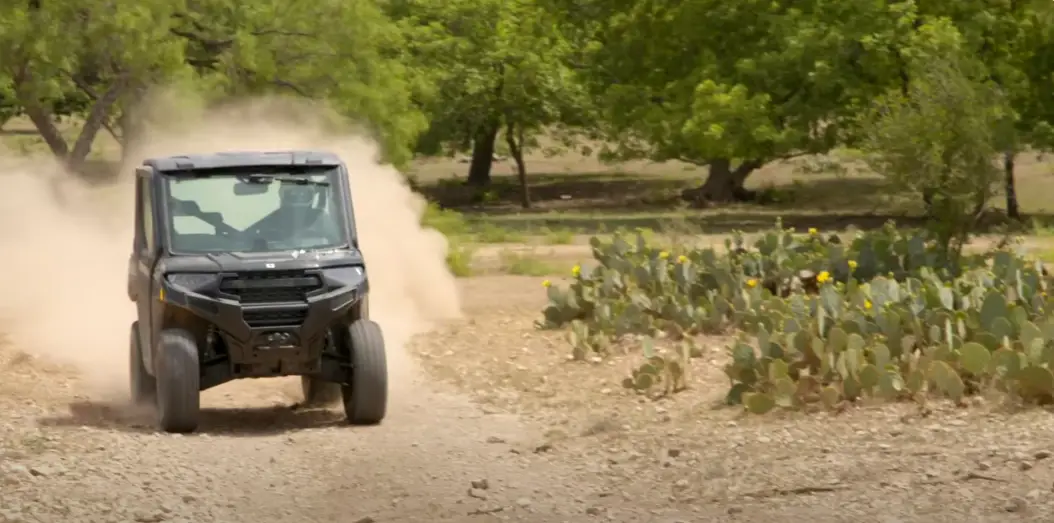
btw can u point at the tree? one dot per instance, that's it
(497, 65)
(1014, 42)
(735, 85)
(940, 136)
(346, 54)
(105, 54)
(1032, 94)
(99, 49)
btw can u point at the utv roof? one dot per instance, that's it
(189, 162)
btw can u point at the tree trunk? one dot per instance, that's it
(1012, 209)
(514, 139)
(723, 183)
(92, 125)
(44, 122)
(483, 154)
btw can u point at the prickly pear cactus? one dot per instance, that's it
(821, 319)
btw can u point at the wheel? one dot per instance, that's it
(366, 398)
(178, 382)
(141, 383)
(319, 393)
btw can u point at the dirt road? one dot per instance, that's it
(258, 459)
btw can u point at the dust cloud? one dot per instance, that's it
(64, 245)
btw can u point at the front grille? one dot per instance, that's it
(275, 318)
(271, 286)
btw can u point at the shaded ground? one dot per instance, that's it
(598, 202)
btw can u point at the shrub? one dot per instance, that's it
(938, 139)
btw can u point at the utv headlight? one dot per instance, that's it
(192, 281)
(344, 277)
(350, 281)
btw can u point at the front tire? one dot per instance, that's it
(366, 398)
(319, 393)
(142, 385)
(178, 382)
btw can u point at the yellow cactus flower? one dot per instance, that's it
(823, 277)
(813, 231)
(867, 304)
(752, 283)
(547, 283)
(664, 255)
(576, 271)
(682, 259)
(852, 265)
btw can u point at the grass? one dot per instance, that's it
(557, 236)
(492, 233)
(459, 259)
(523, 264)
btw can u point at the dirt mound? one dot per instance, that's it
(66, 244)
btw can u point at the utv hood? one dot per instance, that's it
(262, 261)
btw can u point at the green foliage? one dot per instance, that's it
(94, 59)
(85, 57)
(822, 320)
(491, 65)
(349, 54)
(765, 80)
(939, 138)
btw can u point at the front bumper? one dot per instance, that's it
(270, 339)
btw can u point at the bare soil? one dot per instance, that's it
(690, 454)
(491, 422)
(502, 427)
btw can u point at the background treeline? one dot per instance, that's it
(928, 94)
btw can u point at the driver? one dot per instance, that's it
(296, 203)
(296, 196)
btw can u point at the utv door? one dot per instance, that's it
(145, 253)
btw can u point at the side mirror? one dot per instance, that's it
(249, 189)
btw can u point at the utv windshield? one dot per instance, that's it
(255, 211)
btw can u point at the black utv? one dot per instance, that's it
(247, 265)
